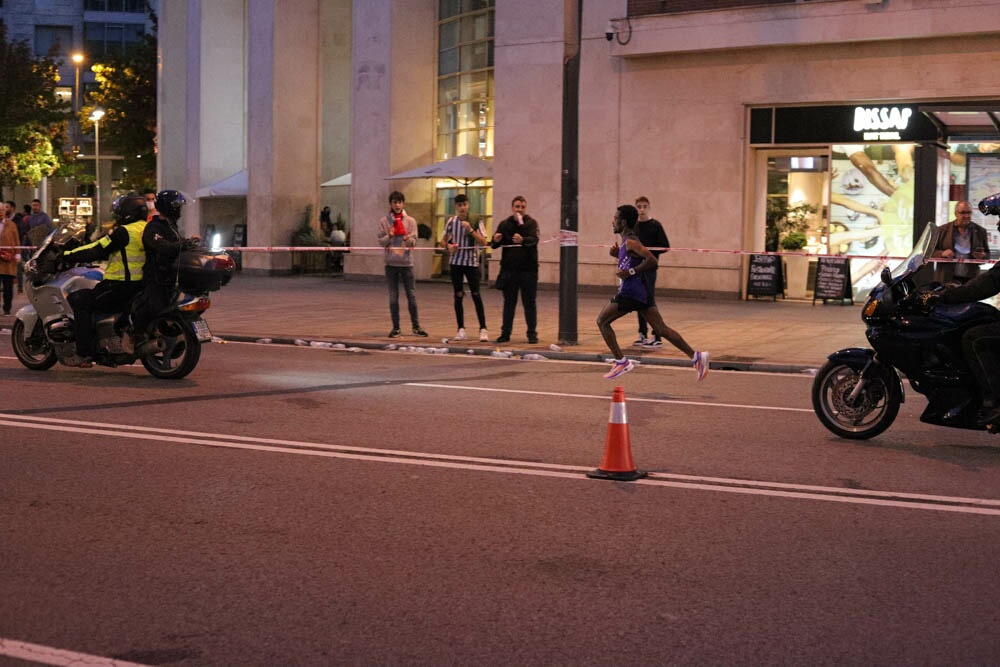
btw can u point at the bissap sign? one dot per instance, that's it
(881, 123)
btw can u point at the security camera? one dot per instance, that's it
(609, 34)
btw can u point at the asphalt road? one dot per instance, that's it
(299, 506)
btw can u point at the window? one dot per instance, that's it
(104, 38)
(53, 41)
(129, 6)
(650, 7)
(464, 100)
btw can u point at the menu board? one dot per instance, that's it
(833, 279)
(764, 277)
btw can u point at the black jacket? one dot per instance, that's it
(163, 244)
(522, 257)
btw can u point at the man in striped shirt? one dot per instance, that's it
(464, 242)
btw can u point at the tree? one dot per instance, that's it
(127, 92)
(32, 118)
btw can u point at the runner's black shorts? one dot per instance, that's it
(628, 304)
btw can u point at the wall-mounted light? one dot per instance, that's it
(614, 31)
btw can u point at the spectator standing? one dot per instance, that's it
(518, 236)
(961, 238)
(150, 197)
(9, 258)
(20, 222)
(38, 216)
(463, 240)
(325, 222)
(397, 233)
(634, 264)
(651, 234)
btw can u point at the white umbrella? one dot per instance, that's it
(340, 180)
(465, 169)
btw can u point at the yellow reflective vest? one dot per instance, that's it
(123, 249)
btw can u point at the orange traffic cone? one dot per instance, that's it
(617, 464)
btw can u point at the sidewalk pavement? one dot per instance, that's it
(762, 335)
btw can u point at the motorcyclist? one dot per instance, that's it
(163, 244)
(981, 344)
(122, 248)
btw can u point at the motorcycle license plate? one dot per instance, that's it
(201, 330)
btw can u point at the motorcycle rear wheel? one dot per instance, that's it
(35, 352)
(178, 349)
(872, 412)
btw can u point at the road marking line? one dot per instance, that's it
(725, 485)
(559, 394)
(47, 655)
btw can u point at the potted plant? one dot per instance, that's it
(304, 236)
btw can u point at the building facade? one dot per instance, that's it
(857, 120)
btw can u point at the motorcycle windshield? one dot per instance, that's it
(62, 234)
(921, 252)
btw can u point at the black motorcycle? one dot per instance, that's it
(43, 332)
(857, 393)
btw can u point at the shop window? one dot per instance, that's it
(53, 41)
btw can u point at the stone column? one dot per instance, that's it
(283, 124)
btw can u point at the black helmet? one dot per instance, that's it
(129, 208)
(990, 205)
(169, 203)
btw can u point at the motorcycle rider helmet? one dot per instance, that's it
(169, 204)
(129, 208)
(990, 205)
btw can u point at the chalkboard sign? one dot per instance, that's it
(764, 277)
(833, 279)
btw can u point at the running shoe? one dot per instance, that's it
(619, 367)
(639, 342)
(417, 331)
(484, 336)
(653, 343)
(700, 363)
(394, 333)
(460, 335)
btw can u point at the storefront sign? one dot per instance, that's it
(833, 279)
(840, 124)
(881, 123)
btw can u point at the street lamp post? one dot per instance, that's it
(77, 60)
(96, 115)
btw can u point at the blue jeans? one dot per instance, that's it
(393, 276)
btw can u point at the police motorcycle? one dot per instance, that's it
(43, 331)
(857, 393)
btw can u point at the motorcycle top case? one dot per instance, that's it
(202, 271)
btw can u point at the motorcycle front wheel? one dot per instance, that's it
(175, 349)
(34, 350)
(872, 411)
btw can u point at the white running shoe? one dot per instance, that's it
(700, 363)
(639, 342)
(484, 336)
(460, 335)
(619, 367)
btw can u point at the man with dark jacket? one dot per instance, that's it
(518, 236)
(651, 234)
(961, 239)
(981, 344)
(163, 244)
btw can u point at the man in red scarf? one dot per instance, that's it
(398, 234)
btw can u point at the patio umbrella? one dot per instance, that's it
(340, 180)
(465, 169)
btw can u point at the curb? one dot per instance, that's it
(516, 353)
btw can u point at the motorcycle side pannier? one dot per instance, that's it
(204, 271)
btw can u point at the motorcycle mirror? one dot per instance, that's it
(886, 275)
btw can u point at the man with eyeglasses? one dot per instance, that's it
(961, 238)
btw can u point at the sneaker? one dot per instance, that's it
(417, 331)
(503, 338)
(484, 336)
(653, 343)
(460, 335)
(394, 333)
(639, 342)
(532, 340)
(619, 367)
(700, 363)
